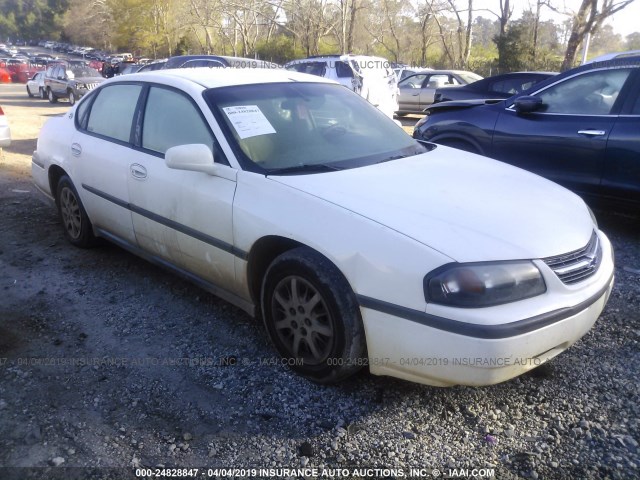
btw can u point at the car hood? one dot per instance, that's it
(467, 207)
(458, 104)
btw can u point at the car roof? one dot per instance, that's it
(524, 72)
(613, 56)
(439, 72)
(223, 77)
(346, 56)
(632, 61)
(179, 60)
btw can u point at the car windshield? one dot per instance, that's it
(314, 68)
(469, 77)
(84, 72)
(298, 126)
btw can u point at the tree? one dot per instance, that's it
(205, 17)
(506, 10)
(310, 21)
(632, 41)
(587, 20)
(33, 19)
(96, 26)
(606, 40)
(456, 34)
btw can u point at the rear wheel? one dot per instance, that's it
(29, 92)
(52, 97)
(72, 98)
(75, 222)
(312, 316)
(43, 94)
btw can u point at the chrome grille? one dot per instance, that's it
(578, 265)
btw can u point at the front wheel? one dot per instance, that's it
(75, 222)
(52, 97)
(312, 316)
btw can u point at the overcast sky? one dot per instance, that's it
(624, 22)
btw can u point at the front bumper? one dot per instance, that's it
(421, 348)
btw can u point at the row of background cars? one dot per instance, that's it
(462, 110)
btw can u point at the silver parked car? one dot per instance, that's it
(416, 92)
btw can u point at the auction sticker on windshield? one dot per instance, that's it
(249, 121)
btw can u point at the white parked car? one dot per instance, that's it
(370, 77)
(296, 200)
(35, 86)
(5, 131)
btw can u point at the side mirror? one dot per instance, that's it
(196, 157)
(527, 104)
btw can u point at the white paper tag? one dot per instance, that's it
(249, 121)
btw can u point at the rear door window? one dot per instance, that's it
(112, 111)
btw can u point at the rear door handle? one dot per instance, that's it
(138, 171)
(592, 133)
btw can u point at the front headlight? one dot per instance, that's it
(473, 285)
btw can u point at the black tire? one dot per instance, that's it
(43, 94)
(51, 96)
(459, 144)
(75, 222)
(29, 92)
(72, 98)
(312, 316)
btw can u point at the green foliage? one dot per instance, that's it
(632, 41)
(605, 41)
(183, 46)
(513, 49)
(32, 20)
(280, 49)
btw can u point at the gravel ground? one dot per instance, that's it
(108, 361)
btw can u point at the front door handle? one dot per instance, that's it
(592, 133)
(138, 171)
(76, 149)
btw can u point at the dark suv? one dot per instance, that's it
(580, 128)
(70, 81)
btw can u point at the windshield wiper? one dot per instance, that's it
(304, 168)
(394, 157)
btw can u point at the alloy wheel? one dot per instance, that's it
(70, 210)
(302, 320)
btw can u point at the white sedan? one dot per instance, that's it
(5, 131)
(295, 199)
(35, 86)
